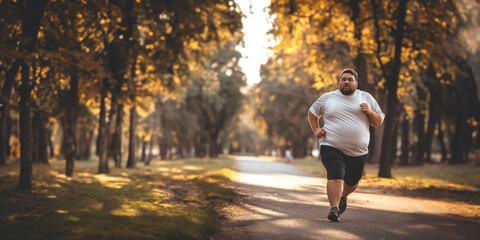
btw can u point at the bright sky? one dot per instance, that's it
(255, 26)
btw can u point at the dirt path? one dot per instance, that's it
(280, 202)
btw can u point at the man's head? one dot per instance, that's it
(348, 81)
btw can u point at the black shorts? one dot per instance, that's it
(341, 166)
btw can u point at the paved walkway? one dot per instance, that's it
(280, 202)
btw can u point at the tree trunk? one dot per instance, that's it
(131, 144)
(405, 141)
(39, 138)
(25, 181)
(86, 145)
(144, 150)
(299, 148)
(433, 115)
(388, 142)
(31, 15)
(117, 138)
(71, 123)
(458, 143)
(102, 124)
(51, 149)
(150, 152)
(386, 160)
(162, 144)
(394, 149)
(441, 141)
(419, 122)
(213, 144)
(102, 138)
(4, 113)
(4, 136)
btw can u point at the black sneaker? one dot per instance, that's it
(334, 214)
(343, 204)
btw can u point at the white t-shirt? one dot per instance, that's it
(346, 126)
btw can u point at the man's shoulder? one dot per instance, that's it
(364, 93)
(328, 94)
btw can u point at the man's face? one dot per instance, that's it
(348, 84)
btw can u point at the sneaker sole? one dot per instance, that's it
(333, 218)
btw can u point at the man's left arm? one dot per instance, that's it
(374, 118)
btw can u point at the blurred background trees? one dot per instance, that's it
(127, 80)
(413, 56)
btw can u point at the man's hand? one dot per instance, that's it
(365, 108)
(320, 132)
(374, 118)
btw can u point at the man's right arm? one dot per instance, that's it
(317, 130)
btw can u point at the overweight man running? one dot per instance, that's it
(347, 113)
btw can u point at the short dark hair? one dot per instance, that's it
(351, 71)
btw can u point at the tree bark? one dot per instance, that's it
(4, 113)
(102, 138)
(144, 150)
(40, 138)
(419, 122)
(70, 123)
(32, 12)
(388, 143)
(25, 181)
(405, 141)
(131, 144)
(87, 137)
(213, 144)
(4, 136)
(458, 143)
(117, 138)
(441, 141)
(432, 122)
(150, 152)
(51, 149)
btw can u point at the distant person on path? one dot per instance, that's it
(288, 155)
(344, 139)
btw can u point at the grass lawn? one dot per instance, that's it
(167, 200)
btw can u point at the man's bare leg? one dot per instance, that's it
(348, 189)
(343, 200)
(334, 191)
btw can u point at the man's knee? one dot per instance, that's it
(345, 185)
(336, 180)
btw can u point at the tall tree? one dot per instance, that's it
(31, 14)
(391, 76)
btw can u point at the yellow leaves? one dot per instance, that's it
(318, 85)
(472, 122)
(441, 22)
(193, 45)
(384, 59)
(168, 28)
